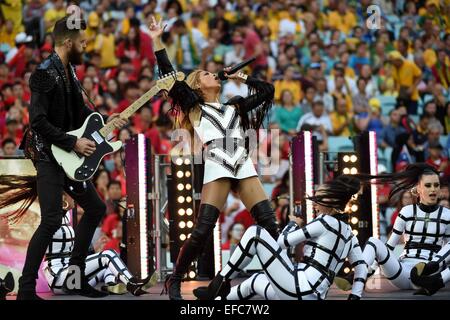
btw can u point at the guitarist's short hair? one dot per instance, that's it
(67, 27)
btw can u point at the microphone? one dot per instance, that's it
(237, 67)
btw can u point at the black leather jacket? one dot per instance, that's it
(51, 113)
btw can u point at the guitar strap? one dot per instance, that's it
(80, 86)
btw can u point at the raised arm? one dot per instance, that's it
(261, 92)
(156, 30)
(182, 95)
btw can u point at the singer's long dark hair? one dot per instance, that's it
(338, 192)
(15, 189)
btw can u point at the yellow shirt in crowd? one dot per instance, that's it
(337, 121)
(53, 15)
(343, 23)
(104, 45)
(12, 10)
(404, 77)
(292, 85)
(430, 57)
(8, 38)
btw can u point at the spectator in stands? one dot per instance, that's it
(113, 196)
(323, 95)
(235, 233)
(407, 76)
(447, 118)
(101, 181)
(308, 100)
(288, 83)
(438, 160)
(189, 45)
(317, 121)
(105, 46)
(9, 147)
(341, 120)
(419, 138)
(288, 114)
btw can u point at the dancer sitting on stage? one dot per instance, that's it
(425, 224)
(227, 165)
(103, 267)
(328, 242)
(432, 276)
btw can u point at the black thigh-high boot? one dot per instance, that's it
(264, 216)
(206, 221)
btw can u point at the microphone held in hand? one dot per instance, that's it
(236, 68)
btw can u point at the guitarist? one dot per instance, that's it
(57, 107)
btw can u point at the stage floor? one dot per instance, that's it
(377, 288)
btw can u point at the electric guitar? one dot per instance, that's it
(80, 168)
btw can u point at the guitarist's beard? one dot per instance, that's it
(75, 56)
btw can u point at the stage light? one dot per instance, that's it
(355, 232)
(346, 171)
(354, 220)
(180, 201)
(347, 270)
(346, 158)
(354, 207)
(353, 158)
(192, 274)
(353, 170)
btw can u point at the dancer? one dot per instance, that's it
(328, 242)
(227, 164)
(103, 267)
(57, 107)
(425, 225)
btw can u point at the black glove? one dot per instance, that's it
(353, 297)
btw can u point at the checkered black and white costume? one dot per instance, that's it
(328, 243)
(426, 229)
(220, 131)
(104, 267)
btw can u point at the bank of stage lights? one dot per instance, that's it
(181, 196)
(348, 163)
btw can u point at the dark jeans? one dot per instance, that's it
(51, 182)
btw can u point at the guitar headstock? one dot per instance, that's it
(167, 81)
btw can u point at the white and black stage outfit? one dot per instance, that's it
(328, 240)
(426, 229)
(103, 267)
(221, 129)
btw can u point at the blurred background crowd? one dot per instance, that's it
(335, 74)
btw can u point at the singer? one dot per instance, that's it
(220, 127)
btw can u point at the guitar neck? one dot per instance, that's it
(128, 112)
